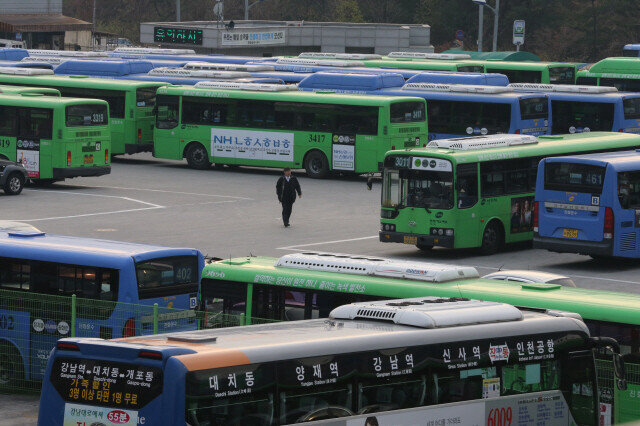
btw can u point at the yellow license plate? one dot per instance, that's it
(570, 233)
(410, 240)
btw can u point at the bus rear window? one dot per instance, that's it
(471, 68)
(587, 81)
(407, 112)
(562, 75)
(631, 108)
(167, 276)
(87, 115)
(533, 108)
(574, 177)
(146, 97)
(622, 84)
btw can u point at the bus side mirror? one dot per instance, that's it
(370, 182)
(619, 371)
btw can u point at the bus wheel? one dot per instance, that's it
(316, 165)
(11, 368)
(14, 184)
(197, 157)
(491, 239)
(424, 247)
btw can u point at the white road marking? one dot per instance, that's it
(165, 191)
(152, 206)
(91, 214)
(324, 242)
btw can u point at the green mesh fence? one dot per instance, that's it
(31, 324)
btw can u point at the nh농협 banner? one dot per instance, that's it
(252, 145)
(250, 38)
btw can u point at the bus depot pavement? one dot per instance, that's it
(234, 212)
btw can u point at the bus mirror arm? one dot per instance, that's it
(370, 181)
(618, 362)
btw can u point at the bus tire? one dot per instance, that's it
(492, 238)
(14, 184)
(424, 247)
(316, 165)
(197, 156)
(11, 366)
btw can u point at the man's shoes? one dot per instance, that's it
(286, 225)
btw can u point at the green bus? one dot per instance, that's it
(516, 71)
(131, 102)
(474, 192)
(13, 90)
(275, 125)
(622, 73)
(309, 285)
(55, 138)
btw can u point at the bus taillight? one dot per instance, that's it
(535, 216)
(139, 135)
(106, 155)
(150, 355)
(621, 130)
(68, 158)
(517, 132)
(608, 224)
(129, 329)
(67, 346)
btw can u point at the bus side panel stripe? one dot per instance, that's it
(214, 358)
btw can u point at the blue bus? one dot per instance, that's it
(182, 55)
(143, 70)
(110, 278)
(453, 110)
(25, 64)
(589, 204)
(13, 54)
(631, 50)
(577, 109)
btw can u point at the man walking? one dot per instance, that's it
(286, 189)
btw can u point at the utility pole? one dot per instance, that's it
(93, 31)
(177, 10)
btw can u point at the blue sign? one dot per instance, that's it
(459, 35)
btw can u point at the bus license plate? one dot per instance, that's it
(410, 240)
(570, 233)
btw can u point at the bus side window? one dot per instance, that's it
(14, 274)
(8, 121)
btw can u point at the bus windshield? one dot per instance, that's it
(562, 75)
(419, 188)
(167, 276)
(86, 115)
(574, 177)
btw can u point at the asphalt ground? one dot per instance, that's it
(233, 212)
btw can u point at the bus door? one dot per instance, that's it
(466, 186)
(627, 218)
(582, 388)
(35, 124)
(8, 132)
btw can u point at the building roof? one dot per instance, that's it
(501, 56)
(41, 23)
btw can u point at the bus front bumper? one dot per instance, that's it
(561, 245)
(416, 239)
(81, 171)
